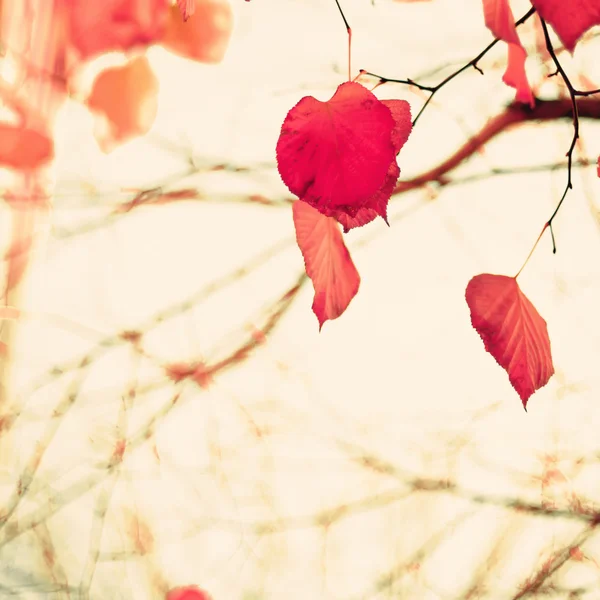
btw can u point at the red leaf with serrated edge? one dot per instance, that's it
(24, 149)
(512, 330)
(500, 21)
(327, 261)
(205, 37)
(99, 26)
(126, 99)
(190, 592)
(335, 155)
(187, 8)
(400, 110)
(569, 18)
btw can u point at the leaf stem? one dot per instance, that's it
(349, 30)
(533, 249)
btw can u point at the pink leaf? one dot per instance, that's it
(400, 110)
(569, 18)
(500, 21)
(327, 260)
(512, 330)
(335, 155)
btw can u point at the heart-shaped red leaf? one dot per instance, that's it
(335, 155)
(500, 21)
(327, 261)
(569, 18)
(512, 330)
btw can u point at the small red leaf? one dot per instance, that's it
(512, 330)
(189, 592)
(327, 260)
(100, 26)
(569, 18)
(500, 21)
(126, 99)
(23, 148)
(335, 155)
(205, 37)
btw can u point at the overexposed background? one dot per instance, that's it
(385, 457)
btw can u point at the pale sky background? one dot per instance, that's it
(237, 484)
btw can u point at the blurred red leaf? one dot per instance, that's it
(125, 98)
(187, 8)
(190, 592)
(327, 260)
(23, 148)
(569, 18)
(336, 155)
(108, 25)
(512, 330)
(500, 21)
(205, 36)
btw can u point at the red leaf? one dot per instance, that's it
(190, 592)
(203, 38)
(512, 330)
(400, 110)
(23, 148)
(126, 99)
(569, 18)
(500, 21)
(187, 8)
(327, 261)
(376, 205)
(335, 155)
(99, 26)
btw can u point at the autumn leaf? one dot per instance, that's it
(327, 260)
(377, 203)
(125, 99)
(190, 592)
(205, 36)
(500, 21)
(337, 154)
(569, 18)
(103, 26)
(512, 330)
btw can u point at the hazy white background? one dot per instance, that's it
(303, 471)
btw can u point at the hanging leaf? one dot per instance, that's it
(23, 148)
(98, 26)
(205, 36)
(500, 21)
(512, 331)
(327, 260)
(377, 203)
(125, 99)
(569, 18)
(336, 155)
